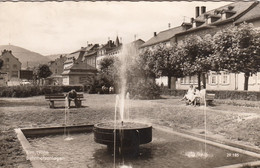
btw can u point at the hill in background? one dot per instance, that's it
(26, 56)
(54, 56)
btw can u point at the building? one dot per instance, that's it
(79, 73)
(111, 48)
(90, 56)
(208, 23)
(77, 70)
(56, 67)
(11, 67)
(166, 38)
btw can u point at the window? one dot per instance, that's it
(7, 66)
(213, 78)
(14, 66)
(14, 74)
(225, 78)
(182, 80)
(7, 59)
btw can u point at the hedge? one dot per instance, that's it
(27, 91)
(221, 94)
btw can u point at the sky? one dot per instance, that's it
(63, 27)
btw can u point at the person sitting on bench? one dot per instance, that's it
(72, 95)
(189, 96)
(196, 97)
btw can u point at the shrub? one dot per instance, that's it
(27, 91)
(78, 88)
(144, 90)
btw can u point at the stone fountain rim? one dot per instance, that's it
(145, 125)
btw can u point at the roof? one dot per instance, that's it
(137, 42)
(91, 53)
(250, 15)
(110, 50)
(78, 68)
(163, 36)
(7, 53)
(82, 66)
(239, 9)
(75, 55)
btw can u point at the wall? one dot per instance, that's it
(57, 66)
(11, 66)
(235, 82)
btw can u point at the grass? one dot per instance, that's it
(240, 124)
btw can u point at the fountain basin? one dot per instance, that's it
(129, 135)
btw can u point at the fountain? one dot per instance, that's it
(120, 135)
(123, 135)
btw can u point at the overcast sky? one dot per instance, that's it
(63, 27)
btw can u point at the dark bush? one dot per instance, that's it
(144, 90)
(27, 91)
(78, 88)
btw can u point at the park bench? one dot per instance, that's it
(209, 98)
(62, 97)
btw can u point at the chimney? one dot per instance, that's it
(197, 11)
(169, 25)
(154, 34)
(203, 9)
(192, 20)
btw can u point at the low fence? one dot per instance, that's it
(221, 94)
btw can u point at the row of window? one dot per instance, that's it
(7, 66)
(189, 80)
(91, 62)
(215, 78)
(219, 78)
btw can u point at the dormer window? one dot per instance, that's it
(229, 14)
(230, 7)
(186, 26)
(213, 18)
(216, 12)
(225, 14)
(199, 22)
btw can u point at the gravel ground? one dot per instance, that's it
(234, 123)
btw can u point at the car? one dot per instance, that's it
(25, 82)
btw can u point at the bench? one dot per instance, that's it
(62, 97)
(209, 98)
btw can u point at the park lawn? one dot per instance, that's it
(227, 122)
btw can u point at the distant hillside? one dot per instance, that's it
(54, 56)
(24, 56)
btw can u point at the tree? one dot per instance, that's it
(168, 63)
(237, 50)
(144, 64)
(1, 63)
(109, 72)
(43, 71)
(196, 53)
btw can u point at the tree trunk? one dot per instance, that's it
(204, 79)
(199, 85)
(246, 81)
(169, 81)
